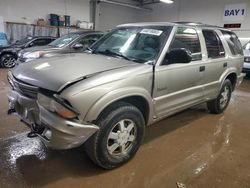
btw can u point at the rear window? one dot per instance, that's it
(233, 42)
(247, 46)
(214, 45)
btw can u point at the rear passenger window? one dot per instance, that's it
(187, 38)
(233, 42)
(41, 42)
(214, 45)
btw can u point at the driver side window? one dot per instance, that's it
(88, 40)
(187, 38)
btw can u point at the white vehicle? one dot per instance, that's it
(246, 67)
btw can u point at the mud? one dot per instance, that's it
(190, 149)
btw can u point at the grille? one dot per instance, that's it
(23, 88)
(247, 59)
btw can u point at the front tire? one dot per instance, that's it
(219, 104)
(8, 60)
(121, 132)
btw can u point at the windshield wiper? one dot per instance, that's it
(118, 54)
(113, 53)
(90, 49)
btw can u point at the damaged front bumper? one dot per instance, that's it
(55, 131)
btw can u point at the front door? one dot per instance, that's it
(178, 86)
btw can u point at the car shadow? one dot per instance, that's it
(35, 165)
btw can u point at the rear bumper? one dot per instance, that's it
(245, 70)
(57, 132)
(246, 67)
(240, 79)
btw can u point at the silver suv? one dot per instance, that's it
(134, 76)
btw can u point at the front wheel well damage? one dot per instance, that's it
(137, 101)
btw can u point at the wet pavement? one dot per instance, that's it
(190, 149)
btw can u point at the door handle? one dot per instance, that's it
(202, 68)
(225, 65)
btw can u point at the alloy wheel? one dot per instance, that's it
(121, 137)
(8, 61)
(224, 97)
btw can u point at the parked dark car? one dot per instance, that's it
(75, 42)
(9, 53)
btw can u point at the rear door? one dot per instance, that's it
(235, 49)
(216, 63)
(178, 86)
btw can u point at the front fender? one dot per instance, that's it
(117, 95)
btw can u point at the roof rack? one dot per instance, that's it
(195, 24)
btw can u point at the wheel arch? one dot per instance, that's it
(8, 52)
(141, 100)
(233, 79)
(231, 74)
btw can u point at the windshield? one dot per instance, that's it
(23, 41)
(64, 40)
(138, 44)
(247, 46)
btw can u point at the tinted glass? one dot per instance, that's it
(138, 44)
(88, 40)
(24, 41)
(41, 42)
(247, 46)
(64, 40)
(214, 45)
(233, 42)
(187, 38)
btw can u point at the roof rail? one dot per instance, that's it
(196, 24)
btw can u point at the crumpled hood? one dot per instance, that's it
(57, 72)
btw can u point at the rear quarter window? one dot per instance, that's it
(233, 42)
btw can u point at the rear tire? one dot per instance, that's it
(121, 132)
(8, 60)
(248, 75)
(219, 104)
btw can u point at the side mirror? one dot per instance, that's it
(178, 55)
(78, 46)
(92, 41)
(30, 44)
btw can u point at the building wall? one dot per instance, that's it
(109, 15)
(28, 11)
(210, 12)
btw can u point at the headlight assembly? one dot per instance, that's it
(58, 106)
(247, 59)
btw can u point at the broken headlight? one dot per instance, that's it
(57, 105)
